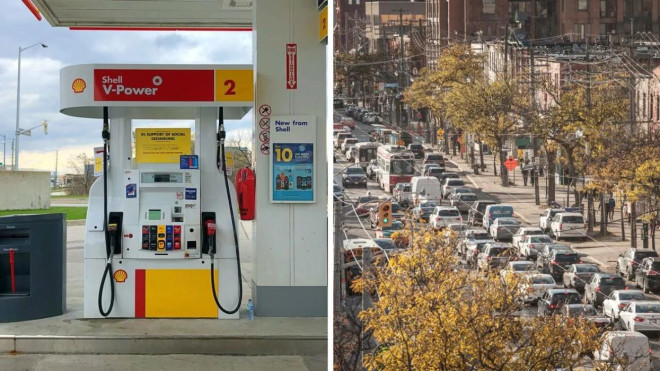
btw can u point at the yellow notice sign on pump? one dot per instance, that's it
(161, 145)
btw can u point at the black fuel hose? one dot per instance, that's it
(221, 149)
(109, 243)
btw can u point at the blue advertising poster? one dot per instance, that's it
(293, 172)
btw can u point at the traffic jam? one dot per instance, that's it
(385, 178)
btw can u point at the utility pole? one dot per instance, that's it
(590, 194)
(402, 62)
(506, 49)
(57, 153)
(535, 145)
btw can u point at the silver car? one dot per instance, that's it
(504, 228)
(463, 201)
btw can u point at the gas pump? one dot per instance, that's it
(161, 216)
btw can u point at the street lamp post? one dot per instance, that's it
(18, 100)
(4, 150)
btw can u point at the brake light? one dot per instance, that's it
(597, 289)
(579, 261)
(625, 287)
(638, 319)
(437, 219)
(489, 258)
(552, 306)
(553, 263)
(622, 305)
(561, 228)
(531, 245)
(460, 218)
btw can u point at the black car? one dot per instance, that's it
(476, 212)
(559, 262)
(647, 275)
(354, 176)
(434, 158)
(553, 300)
(417, 149)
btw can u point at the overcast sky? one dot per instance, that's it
(40, 70)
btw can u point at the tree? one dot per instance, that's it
(456, 64)
(83, 174)
(432, 316)
(492, 109)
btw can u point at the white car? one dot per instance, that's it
(641, 316)
(619, 299)
(546, 216)
(518, 267)
(444, 215)
(524, 231)
(347, 143)
(568, 225)
(503, 228)
(462, 201)
(450, 184)
(536, 286)
(616, 346)
(531, 244)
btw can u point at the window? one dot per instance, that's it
(651, 107)
(643, 104)
(608, 8)
(657, 108)
(488, 6)
(582, 4)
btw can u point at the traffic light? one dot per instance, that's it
(45, 125)
(385, 214)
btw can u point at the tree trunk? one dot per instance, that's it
(494, 166)
(603, 217)
(623, 228)
(445, 135)
(590, 212)
(481, 154)
(652, 226)
(504, 175)
(633, 224)
(552, 168)
(571, 175)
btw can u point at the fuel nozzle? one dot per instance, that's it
(209, 225)
(112, 227)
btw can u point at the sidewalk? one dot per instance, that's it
(601, 250)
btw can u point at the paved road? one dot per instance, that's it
(599, 251)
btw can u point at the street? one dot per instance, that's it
(600, 251)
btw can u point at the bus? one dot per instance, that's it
(380, 134)
(400, 138)
(366, 151)
(395, 165)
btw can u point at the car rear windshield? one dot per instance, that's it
(567, 257)
(655, 266)
(416, 146)
(499, 251)
(582, 311)
(449, 213)
(434, 157)
(434, 170)
(587, 269)
(364, 199)
(612, 281)
(523, 267)
(456, 182)
(396, 208)
(573, 219)
(540, 239)
(543, 280)
(639, 255)
(569, 298)
(631, 296)
(468, 198)
(480, 246)
(508, 222)
(481, 236)
(647, 308)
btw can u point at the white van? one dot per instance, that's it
(426, 188)
(626, 350)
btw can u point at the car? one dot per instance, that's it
(503, 228)
(348, 122)
(443, 215)
(627, 263)
(354, 176)
(492, 212)
(476, 212)
(350, 153)
(566, 225)
(434, 172)
(372, 169)
(625, 350)
(449, 184)
(397, 214)
(600, 287)
(546, 216)
(417, 149)
(470, 235)
(524, 231)
(386, 232)
(495, 255)
(647, 275)
(530, 245)
(553, 300)
(425, 188)
(428, 166)
(422, 211)
(434, 158)
(463, 201)
(577, 275)
(339, 138)
(365, 204)
(559, 261)
(588, 312)
(518, 267)
(545, 252)
(473, 249)
(402, 193)
(618, 299)
(641, 316)
(337, 192)
(456, 228)
(448, 175)
(535, 286)
(347, 142)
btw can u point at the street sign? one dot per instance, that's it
(511, 164)
(440, 133)
(292, 66)
(323, 24)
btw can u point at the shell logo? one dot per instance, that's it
(120, 275)
(78, 85)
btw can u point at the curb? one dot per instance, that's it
(77, 222)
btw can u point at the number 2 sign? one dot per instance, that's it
(233, 85)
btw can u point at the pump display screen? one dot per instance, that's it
(154, 215)
(162, 178)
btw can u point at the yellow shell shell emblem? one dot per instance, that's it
(120, 275)
(78, 85)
